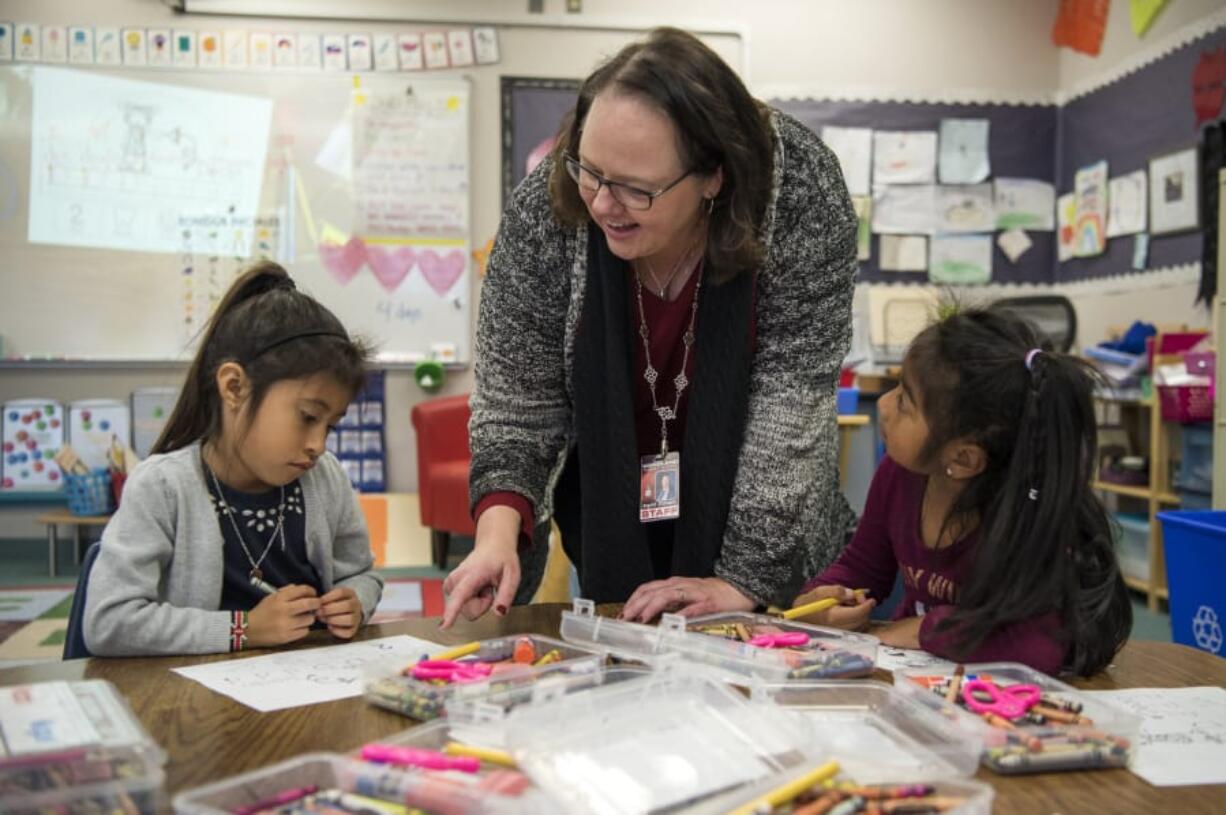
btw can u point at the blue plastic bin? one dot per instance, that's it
(89, 494)
(848, 400)
(1195, 544)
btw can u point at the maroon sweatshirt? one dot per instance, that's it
(889, 539)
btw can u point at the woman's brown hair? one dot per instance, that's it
(719, 125)
(275, 332)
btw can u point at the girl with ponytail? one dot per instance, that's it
(242, 530)
(984, 505)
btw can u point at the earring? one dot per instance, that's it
(710, 205)
(949, 471)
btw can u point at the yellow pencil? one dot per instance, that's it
(810, 608)
(454, 748)
(788, 792)
(458, 651)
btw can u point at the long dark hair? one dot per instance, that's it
(1044, 538)
(260, 311)
(718, 123)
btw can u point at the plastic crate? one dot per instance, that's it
(90, 494)
(1186, 403)
(1195, 544)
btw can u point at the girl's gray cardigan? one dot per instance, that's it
(788, 518)
(156, 584)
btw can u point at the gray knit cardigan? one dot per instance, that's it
(788, 518)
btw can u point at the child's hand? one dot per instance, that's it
(852, 612)
(342, 611)
(902, 633)
(282, 617)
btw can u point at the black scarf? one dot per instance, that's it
(597, 498)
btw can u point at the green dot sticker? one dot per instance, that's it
(42, 425)
(158, 412)
(87, 425)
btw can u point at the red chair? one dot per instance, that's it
(443, 458)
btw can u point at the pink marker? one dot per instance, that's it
(417, 757)
(787, 639)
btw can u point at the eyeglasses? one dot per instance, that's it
(629, 197)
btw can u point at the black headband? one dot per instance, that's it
(296, 336)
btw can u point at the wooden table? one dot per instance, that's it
(78, 522)
(209, 736)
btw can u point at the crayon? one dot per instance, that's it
(485, 754)
(955, 684)
(786, 793)
(280, 799)
(810, 608)
(458, 651)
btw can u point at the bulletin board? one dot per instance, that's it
(129, 202)
(1021, 141)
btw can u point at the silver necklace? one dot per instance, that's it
(255, 572)
(677, 267)
(650, 374)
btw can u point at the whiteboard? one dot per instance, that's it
(129, 202)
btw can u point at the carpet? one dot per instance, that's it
(39, 636)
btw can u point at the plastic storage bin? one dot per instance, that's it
(1106, 741)
(832, 653)
(1132, 544)
(848, 400)
(1195, 544)
(89, 494)
(389, 687)
(1195, 459)
(669, 741)
(328, 774)
(491, 781)
(878, 733)
(75, 747)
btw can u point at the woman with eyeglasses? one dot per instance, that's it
(669, 294)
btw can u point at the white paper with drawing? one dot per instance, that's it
(1127, 200)
(904, 209)
(960, 259)
(1025, 203)
(294, 678)
(854, 148)
(964, 151)
(965, 208)
(1183, 733)
(904, 157)
(126, 164)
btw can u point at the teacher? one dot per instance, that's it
(669, 293)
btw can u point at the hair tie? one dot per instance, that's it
(1030, 355)
(296, 336)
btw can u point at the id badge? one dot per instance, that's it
(659, 487)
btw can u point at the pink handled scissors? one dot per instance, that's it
(451, 671)
(1010, 702)
(787, 639)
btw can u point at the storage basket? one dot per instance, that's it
(89, 494)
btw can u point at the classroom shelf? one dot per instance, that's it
(33, 497)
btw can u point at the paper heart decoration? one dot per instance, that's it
(441, 272)
(344, 260)
(390, 266)
(1209, 85)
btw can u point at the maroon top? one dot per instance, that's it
(889, 539)
(667, 321)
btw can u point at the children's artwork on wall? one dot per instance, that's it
(185, 49)
(28, 42)
(854, 148)
(1090, 225)
(234, 50)
(209, 48)
(310, 52)
(1080, 25)
(1066, 215)
(93, 425)
(33, 432)
(55, 43)
(6, 42)
(1174, 202)
(160, 54)
(80, 45)
(411, 57)
(1142, 13)
(284, 51)
(460, 47)
(335, 58)
(1024, 203)
(904, 253)
(485, 45)
(1209, 85)
(961, 259)
(964, 151)
(386, 58)
(863, 205)
(1014, 243)
(135, 46)
(1127, 199)
(358, 46)
(435, 43)
(260, 50)
(904, 209)
(965, 208)
(904, 156)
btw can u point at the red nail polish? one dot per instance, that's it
(501, 609)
